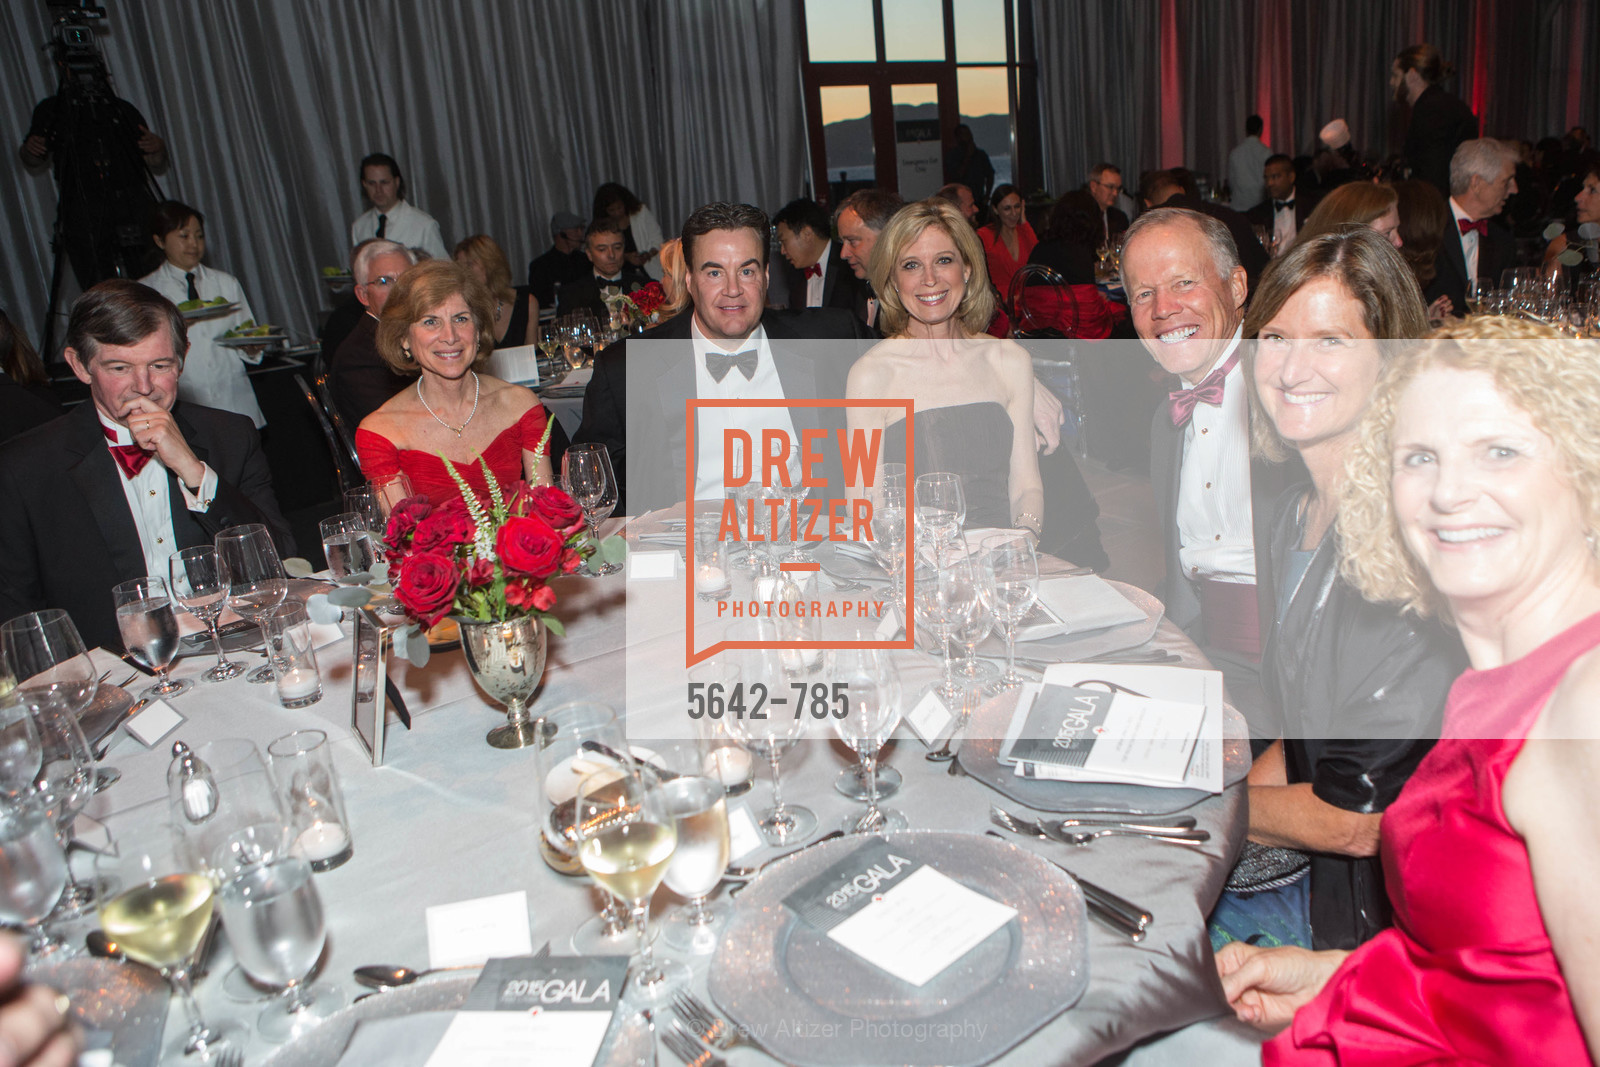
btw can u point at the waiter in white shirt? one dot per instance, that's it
(1186, 291)
(390, 216)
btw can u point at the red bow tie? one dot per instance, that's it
(131, 458)
(1181, 402)
(1481, 227)
(813, 271)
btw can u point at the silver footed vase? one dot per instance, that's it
(507, 661)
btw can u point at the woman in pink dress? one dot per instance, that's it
(1008, 241)
(437, 325)
(1473, 494)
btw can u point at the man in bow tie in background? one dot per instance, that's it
(1186, 291)
(731, 347)
(1282, 212)
(109, 491)
(1476, 244)
(817, 275)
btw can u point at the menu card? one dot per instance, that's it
(550, 1011)
(898, 914)
(1093, 734)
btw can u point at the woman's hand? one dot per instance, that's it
(1266, 986)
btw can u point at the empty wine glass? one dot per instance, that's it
(1009, 570)
(873, 688)
(149, 628)
(256, 580)
(771, 735)
(44, 654)
(587, 475)
(626, 838)
(946, 595)
(33, 872)
(158, 906)
(390, 490)
(199, 585)
(972, 672)
(889, 536)
(21, 753)
(65, 781)
(348, 545)
(941, 508)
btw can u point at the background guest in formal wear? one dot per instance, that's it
(359, 379)
(109, 491)
(859, 220)
(641, 233)
(1471, 495)
(605, 245)
(1585, 209)
(1245, 163)
(1067, 246)
(516, 312)
(815, 273)
(1355, 689)
(962, 198)
(25, 397)
(1283, 212)
(1008, 241)
(564, 261)
(1099, 196)
(1178, 188)
(1376, 206)
(1424, 214)
(391, 216)
(435, 326)
(213, 374)
(1476, 244)
(1439, 121)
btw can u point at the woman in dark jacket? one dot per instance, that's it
(1357, 688)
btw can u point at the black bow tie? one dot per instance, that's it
(1279, 205)
(719, 363)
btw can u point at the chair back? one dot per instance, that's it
(1041, 303)
(345, 466)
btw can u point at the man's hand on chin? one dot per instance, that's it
(153, 427)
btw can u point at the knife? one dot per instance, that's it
(1116, 912)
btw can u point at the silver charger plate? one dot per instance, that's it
(850, 561)
(126, 1001)
(248, 637)
(250, 342)
(627, 1045)
(812, 1003)
(1069, 648)
(213, 311)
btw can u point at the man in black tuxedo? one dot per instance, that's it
(815, 274)
(562, 263)
(1177, 188)
(1099, 198)
(1282, 212)
(1475, 243)
(358, 378)
(1186, 291)
(109, 491)
(610, 269)
(1439, 123)
(728, 346)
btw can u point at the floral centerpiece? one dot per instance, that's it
(642, 307)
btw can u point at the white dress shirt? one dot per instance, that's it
(212, 374)
(764, 384)
(1215, 537)
(407, 225)
(1283, 227)
(815, 283)
(1469, 241)
(151, 505)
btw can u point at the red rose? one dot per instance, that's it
(529, 546)
(445, 528)
(544, 598)
(555, 507)
(404, 518)
(428, 586)
(571, 560)
(649, 298)
(481, 573)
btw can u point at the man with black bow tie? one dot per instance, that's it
(604, 244)
(109, 491)
(1282, 212)
(730, 347)
(1186, 291)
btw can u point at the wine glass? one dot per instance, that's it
(1009, 573)
(64, 783)
(772, 735)
(889, 536)
(256, 580)
(158, 905)
(199, 585)
(946, 595)
(348, 545)
(873, 688)
(697, 801)
(149, 629)
(390, 491)
(367, 502)
(975, 673)
(549, 344)
(33, 872)
(1478, 290)
(587, 475)
(43, 652)
(626, 838)
(21, 753)
(275, 923)
(941, 508)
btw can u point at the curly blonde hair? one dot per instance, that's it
(977, 303)
(420, 290)
(1557, 382)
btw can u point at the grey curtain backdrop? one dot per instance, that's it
(1100, 75)
(500, 114)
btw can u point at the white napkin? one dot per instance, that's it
(1078, 605)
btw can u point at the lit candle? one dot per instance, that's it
(710, 578)
(298, 683)
(732, 766)
(322, 841)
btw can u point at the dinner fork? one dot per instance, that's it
(228, 1056)
(687, 1049)
(706, 1024)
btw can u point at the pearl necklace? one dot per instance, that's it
(477, 389)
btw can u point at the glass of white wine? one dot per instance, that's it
(157, 905)
(626, 838)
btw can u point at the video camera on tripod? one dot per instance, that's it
(72, 45)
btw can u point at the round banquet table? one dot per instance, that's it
(447, 818)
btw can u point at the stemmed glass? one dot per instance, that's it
(697, 802)
(626, 838)
(1009, 573)
(149, 628)
(889, 536)
(586, 472)
(941, 508)
(975, 673)
(348, 545)
(256, 580)
(1478, 290)
(43, 652)
(65, 781)
(21, 753)
(200, 586)
(947, 594)
(769, 737)
(33, 872)
(158, 905)
(873, 686)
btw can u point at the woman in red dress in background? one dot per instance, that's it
(1008, 241)
(1474, 493)
(437, 325)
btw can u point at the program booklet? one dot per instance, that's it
(1084, 734)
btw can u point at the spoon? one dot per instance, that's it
(385, 976)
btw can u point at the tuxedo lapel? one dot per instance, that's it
(94, 472)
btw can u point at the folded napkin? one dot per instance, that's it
(1077, 605)
(402, 1041)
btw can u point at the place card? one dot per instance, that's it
(654, 566)
(888, 626)
(1076, 733)
(744, 835)
(471, 931)
(501, 1039)
(930, 718)
(898, 914)
(156, 721)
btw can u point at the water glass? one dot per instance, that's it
(149, 626)
(302, 764)
(65, 781)
(1009, 572)
(698, 804)
(349, 545)
(292, 655)
(873, 688)
(33, 872)
(769, 737)
(21, 752)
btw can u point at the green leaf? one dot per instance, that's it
(350, 596)
(416, 645)
(1554, 230)
(362, 578)
(296, 567)
(554, 625)
(614, 549)
(1570, 258)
